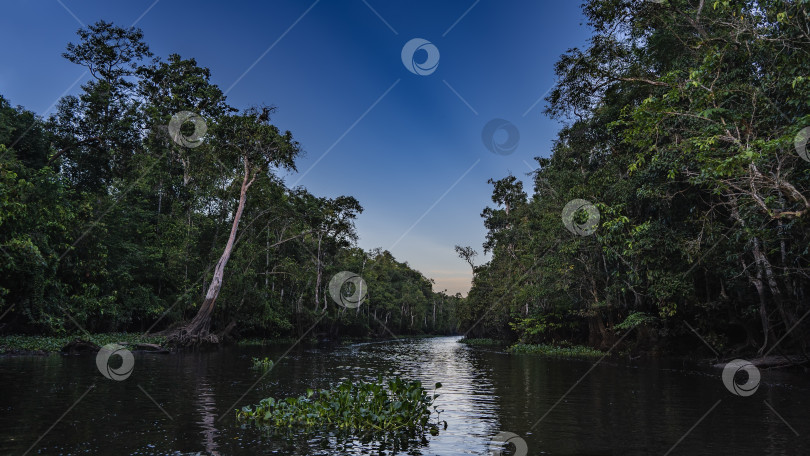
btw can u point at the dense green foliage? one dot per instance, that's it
(109, 223)
(52, 344)
(679, 125)
(577, 351)
(680, 119)
(372, 409)
(483, 341)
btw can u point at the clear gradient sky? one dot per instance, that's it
(407, 146)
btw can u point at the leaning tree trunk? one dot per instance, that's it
(197, 331)
(318, 272)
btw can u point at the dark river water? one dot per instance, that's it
(60, 405)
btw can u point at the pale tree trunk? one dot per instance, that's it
(267, 260)
(318, 271)
(776, 293)
(198, 329)
(756, 281)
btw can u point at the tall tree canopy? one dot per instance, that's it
(118, 213)
(680, 119)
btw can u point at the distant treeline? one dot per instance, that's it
(115, 211)
(685, 126)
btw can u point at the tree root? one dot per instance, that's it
(188, 336)
(184, 337)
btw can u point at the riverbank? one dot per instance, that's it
(573, 351)
(782, 361)
(45, 345)
(16, 344)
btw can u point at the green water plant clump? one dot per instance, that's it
(481, 341)
(576, 351)
(359, 408)
(52, 344)
(262, 363)
(253, 342)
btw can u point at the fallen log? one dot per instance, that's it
(774, 361)
(151, 348)
(79, 346)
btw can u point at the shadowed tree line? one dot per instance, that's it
(680, 120)
(110, 220)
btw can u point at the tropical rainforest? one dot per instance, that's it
(685, 128)
(683, 125)
(146, 203)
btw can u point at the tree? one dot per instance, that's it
(108, 222)
(467, 254)
(679, 123)
(257, 145)
(99, 130)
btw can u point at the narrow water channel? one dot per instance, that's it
(182, 404)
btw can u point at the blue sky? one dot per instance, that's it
(407, 146)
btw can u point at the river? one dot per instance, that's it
(182, 404)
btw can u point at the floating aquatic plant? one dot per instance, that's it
(262, 364)
(374, 410)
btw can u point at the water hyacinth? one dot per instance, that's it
(261, 364)
(359, 408)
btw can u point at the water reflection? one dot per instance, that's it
(206, 406)
(467, 395)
